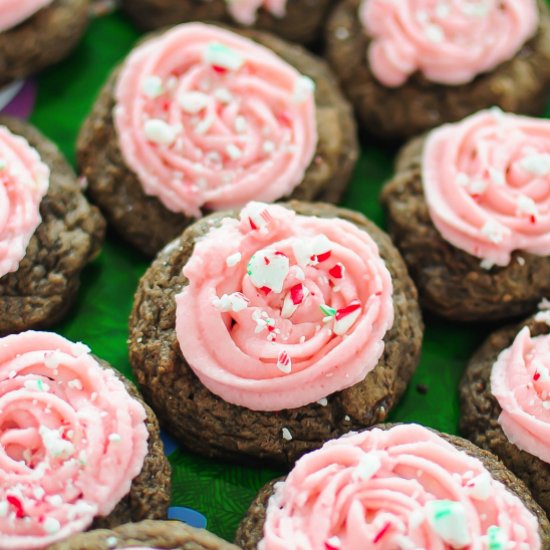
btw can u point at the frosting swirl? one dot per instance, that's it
(71, 439)
(448, 41)
(520, 381)
(282, 310)
(24, 180)
(207, 118)
(487, 184)
(403, 488)
(13, 12)
(245, 11)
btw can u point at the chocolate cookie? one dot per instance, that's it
(43, 39)
(452, 282)
(396, 113)
(204, 422)
(42, 289)
(477, 491)
(481, 411)
(169, 535)
(302, 21)
(72, 416)
(147, 223)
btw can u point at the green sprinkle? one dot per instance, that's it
(496, 539)
(40, 385)
(327, 310)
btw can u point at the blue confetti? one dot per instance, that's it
(187, 515)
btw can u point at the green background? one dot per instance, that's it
(219, 491)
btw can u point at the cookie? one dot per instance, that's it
(227, 120)
(318, 334)
(503, 407)
(438, 64)
(295, 20)
(49, 230)
(469, 212)
(79, 446)
(396, 486)
(37, 34)
(169, 535)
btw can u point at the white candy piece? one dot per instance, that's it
(479, 488)
(193, 102)
(287, 436)
(366, 468)
(152, 86)
(55, 444)
(160, 132)
(233, 259)
(268, 269)
(493, 231)
(537, 164)
(448, 519)
(230, 302)
(222, 56)
(303, 89)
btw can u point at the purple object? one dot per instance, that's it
(187, 515)
(17, 99)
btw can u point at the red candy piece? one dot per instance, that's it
(17, 504)
(345, 311)
(297, 294)
(265, 290)
(321, 257)
(381, 533)
(336, 271)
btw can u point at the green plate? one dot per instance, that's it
(220, 491)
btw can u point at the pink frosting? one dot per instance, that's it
(13, 12)
(448, 41)
(24, 181)
(487, 184)
(207, 118)
(403, 488)
(520, 380)
(282, 310)
(71, 439)
(245, 11)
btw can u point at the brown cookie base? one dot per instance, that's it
(250, 530)
(43, 39)
(303, 22)
(480, 412)
(520, 85)
(44, 286)
(146, 223)
(169, 535)
(206, 424)
(451, 282)
(150, 492)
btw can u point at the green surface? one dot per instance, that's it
(221, 492)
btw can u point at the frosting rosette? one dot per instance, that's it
(405, 488)
(486, 181)
(520, 381)
(282, 310)
(24, 180)
(71, 439)
(207, 118)
(13, 12)
(245, 11)
(448, 41)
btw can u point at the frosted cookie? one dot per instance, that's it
(505, 397)
(469, 208)
(146, 535)
(201, 118)
(412, 65)
(260, 334)
(295, 20)
(48, 230)
(78, 445)
(35, 34)
(402, 486)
